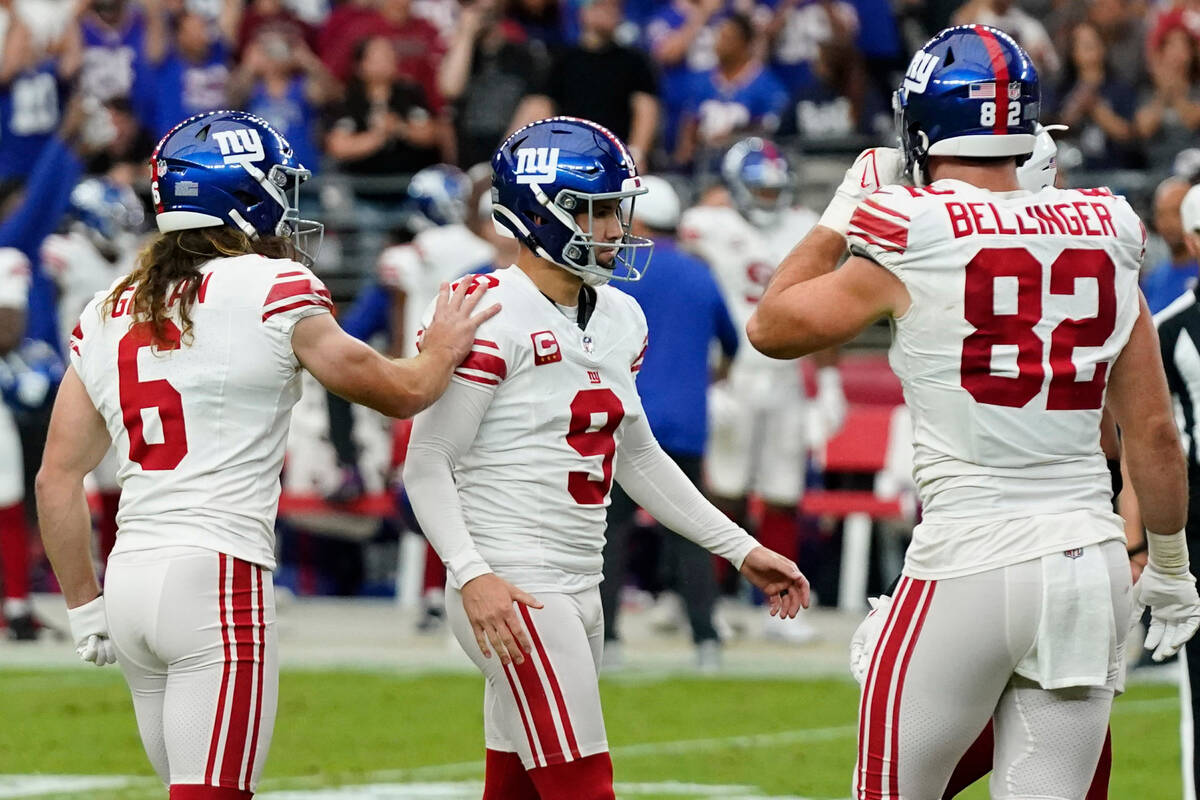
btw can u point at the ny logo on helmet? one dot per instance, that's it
(920, 70)
(537, 164)
(240, 144)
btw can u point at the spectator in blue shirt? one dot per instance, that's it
(680, 40)
(685, 313)
(738, 97)
(186, 73)
(281, 80)
(1176, 274)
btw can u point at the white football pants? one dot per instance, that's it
(195, 636)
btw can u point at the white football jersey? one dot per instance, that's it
(200, 426)
(743, 259)
(14, 279)
(419, 268)
(1020, 304)
(535, 484)
(80, 271)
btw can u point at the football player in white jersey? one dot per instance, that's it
(100, 244)
(762, 426)
(1017, 318)
(442, 249)
(509, 472)
(190, 367)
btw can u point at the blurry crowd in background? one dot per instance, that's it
(371, 93)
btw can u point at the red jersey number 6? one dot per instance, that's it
(138, 395)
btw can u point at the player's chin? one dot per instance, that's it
(606, 258)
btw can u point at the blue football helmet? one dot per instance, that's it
(549, 171)
(971, 91)
(232, 168)
(108, 213)
(439, 196)
(760, 178)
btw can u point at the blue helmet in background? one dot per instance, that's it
(760, 178)
(551, 170)
(440, 195)
(232, 168)
(971, 91)
(108, 213)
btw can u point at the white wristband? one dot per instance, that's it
(1168, 552)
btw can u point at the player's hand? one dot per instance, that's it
(779, 579)
(89, 630)
(874, 168)
(452, 329)
(866, 637)
(489, 601)
(1174, 609)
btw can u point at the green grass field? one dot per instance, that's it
(769, 738)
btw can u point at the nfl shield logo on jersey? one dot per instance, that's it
(545, 348)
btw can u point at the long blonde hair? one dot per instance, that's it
(177, 256)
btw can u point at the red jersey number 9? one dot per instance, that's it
(138, 395)
(588, 440)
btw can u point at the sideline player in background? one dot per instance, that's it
(510, 471)
(99, 243)
(762, 422)
(191, 366)
(1015, 316)
(14, 533)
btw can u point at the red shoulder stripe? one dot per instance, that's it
(314, 302)
(477, 379)
(882, 245)
(485, 362)
(886, 210)
(894, 234)
(290, 289)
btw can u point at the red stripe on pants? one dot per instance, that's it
(541, 717)
(219, 722)
(926, 601)
(244, 674)
(876, 689)
(521, 710)
(550, 676)
(261, 626)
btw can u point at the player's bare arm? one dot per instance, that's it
(1140, 401)
(809, 306)
(76, 443)
(400, 387)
